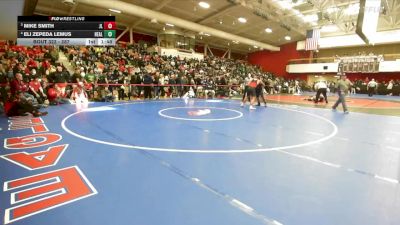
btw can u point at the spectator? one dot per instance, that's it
(209, 88)
(3, 84)
(60, 78)
(35, 89)
(19, 86)
(20, 106)
(147, 81)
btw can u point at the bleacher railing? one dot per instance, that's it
(386, 57)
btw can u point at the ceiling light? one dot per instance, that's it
(236, 42)
(242, 19)
(311, 18)
(288, 38)
(169, 24)
(204, 5)
(115, 10)
(330, 28)
(268, 30)
(255, 46)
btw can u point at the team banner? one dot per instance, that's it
(360, 64)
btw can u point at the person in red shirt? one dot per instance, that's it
(121, 62)
(46, 64)
(31, 64)
(35, 88)
(19, 86)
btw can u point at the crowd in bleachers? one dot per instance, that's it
(33, 77)
(391, 87)
(370, 87)
(121, 66)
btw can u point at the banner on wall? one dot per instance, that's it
(360, 64)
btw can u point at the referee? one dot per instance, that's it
(321, 89)
(246, 87)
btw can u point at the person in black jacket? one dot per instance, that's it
(121, 89)
(172, 88)
(209, 86)
(139, 81)
(178, 82)
(60, 78)
(156, 82)
(147, 81)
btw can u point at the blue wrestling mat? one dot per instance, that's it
(196, 162)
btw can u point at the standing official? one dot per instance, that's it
(342, 87)
(371, 87)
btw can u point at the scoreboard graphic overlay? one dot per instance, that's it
(66, 30)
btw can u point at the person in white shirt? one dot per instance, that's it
(246, 81)
(321, 88)
(297, 87)
(390, 88)
(79, 95)
(371, 87)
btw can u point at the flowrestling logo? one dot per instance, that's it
(44, 191)
(200, 112)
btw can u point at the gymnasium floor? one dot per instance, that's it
(378, 104)
(197, 162)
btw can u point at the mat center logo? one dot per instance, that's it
(200, 112)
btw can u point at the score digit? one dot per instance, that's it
(109, 26)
